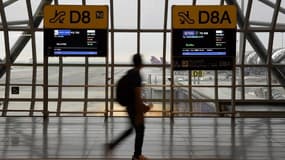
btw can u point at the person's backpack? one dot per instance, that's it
(123, 90)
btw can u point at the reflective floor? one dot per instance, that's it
(185, 138)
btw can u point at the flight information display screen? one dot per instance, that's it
(203, 48)
(75, 42)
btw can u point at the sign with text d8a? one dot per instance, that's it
(203, 37)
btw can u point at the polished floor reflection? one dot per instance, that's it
(182, 138)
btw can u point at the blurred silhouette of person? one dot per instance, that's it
(136, 109)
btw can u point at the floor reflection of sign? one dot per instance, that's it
(196, 73)
(15, 90)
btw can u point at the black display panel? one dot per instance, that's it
(206, 49)
(75, 42)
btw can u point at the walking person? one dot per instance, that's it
(136, 109)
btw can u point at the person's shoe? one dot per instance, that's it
(141, 157)
(108, 148)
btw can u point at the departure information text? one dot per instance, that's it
(75, 42)
(203, 48)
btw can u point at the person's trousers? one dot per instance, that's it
(139, 129)
(139, 139)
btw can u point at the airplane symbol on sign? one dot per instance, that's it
(185, 18)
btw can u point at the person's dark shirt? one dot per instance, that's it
(134, 81)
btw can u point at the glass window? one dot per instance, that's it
(278, 53)
(53, 92)
(14, 36)
(26, 55)
(53, 75)
(35, 4)
(207, 2)
(72, 92)
(68, 2)
(125, 14)
(73, 76)
(257, 14)
(38, 106)
(22, 13)
(263, 37)
(224, 77)
(238, 47)
(203, 93)
(97, 107)
(40, 46)
(21, 75)
(96, 92)
(152, 47)
(251, 58)
(278, 93)
(152, 16)
(225, 93)
(281, 15)
(255, 75)
(2, 91)
(39, 92)
(72, 107)
(96, 75)
(18, 106)
(124, 47)
(2, 46)
(98, 2)
(24, 92)
(203, 107)
(256, 93)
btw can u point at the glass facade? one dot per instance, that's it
(85, 86)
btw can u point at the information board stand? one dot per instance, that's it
(74, 30)
(204, 38)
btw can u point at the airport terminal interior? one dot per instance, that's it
(57, 106)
